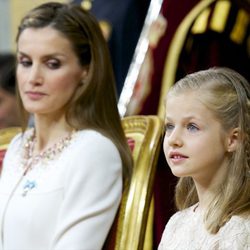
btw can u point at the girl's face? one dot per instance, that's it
(48, 71)
(195, 143)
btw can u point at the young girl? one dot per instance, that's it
(207, 145)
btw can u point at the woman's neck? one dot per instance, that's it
(49, 131)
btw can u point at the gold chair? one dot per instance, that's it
(206, 14)
(176, 46)
(6, 135)
(144, 134)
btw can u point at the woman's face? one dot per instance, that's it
(48, 71)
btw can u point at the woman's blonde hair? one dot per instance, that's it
(94, 104)
(227, 94)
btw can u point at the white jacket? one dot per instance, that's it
(73, 203)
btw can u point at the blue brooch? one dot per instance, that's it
(28, 186)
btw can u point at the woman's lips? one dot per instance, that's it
(33, 95)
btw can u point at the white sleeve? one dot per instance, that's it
(168, 232)
(236, 235)
(241, 241)
(92, 196)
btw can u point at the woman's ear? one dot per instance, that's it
(84, 73)
(84, 76)
(233, 139)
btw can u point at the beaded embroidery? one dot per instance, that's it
(29, 161)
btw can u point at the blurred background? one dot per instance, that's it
(189, 36)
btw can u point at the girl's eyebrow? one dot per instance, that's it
(185, 118)
(167, 118)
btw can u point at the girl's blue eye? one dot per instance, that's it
(169, 127)
(191, 127)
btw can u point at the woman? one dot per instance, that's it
(62, 181)
(207, 145)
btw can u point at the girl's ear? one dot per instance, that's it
(233, 139)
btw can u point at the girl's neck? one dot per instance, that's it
(207, 188)
(205, 195)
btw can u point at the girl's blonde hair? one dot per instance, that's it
(227, 94)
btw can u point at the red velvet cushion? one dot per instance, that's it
(131, 143)
(2, 153)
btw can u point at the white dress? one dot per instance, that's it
(73, 200)
(185, 231)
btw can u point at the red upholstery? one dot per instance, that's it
(131, 143)
(2, 153)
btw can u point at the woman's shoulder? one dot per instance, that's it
(91, 138)
(90, 134)
(15, 147)
(19, 139)
(90, 151)
(92, 141)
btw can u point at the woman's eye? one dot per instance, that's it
(53, 64)
(191, 127)
(25, 63)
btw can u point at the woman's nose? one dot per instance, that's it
(35, 75)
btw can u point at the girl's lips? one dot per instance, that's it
(176, 157)
(35, 95)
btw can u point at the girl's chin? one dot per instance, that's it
(179, 173)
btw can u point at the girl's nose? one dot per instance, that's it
(174, 139)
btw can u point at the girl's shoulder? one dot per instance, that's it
(237, 225)
(184, 213)
(235, 234)
(184, 217)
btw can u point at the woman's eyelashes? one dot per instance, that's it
(51, 64)
(25, 62)
(54, 64)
